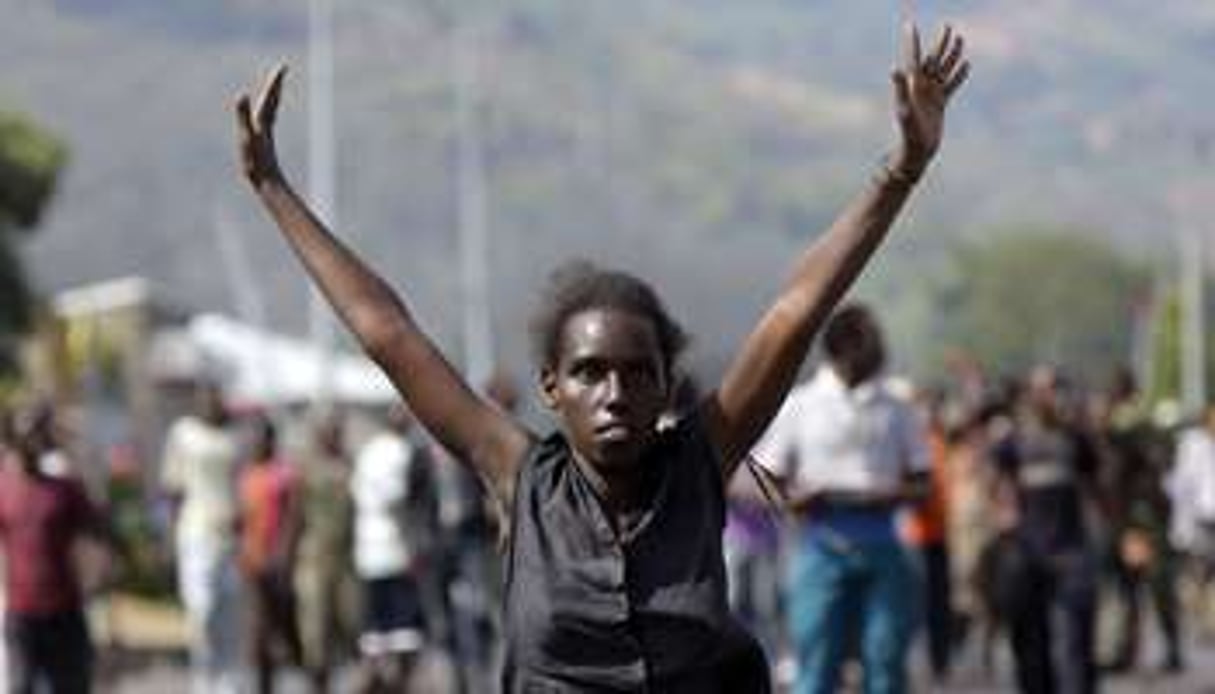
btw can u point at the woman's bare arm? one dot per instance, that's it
(764, 368)
(470, 427)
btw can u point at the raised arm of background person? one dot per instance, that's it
(470, 427)
(764, 369)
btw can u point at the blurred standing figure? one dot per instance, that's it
(850, 454)
(1143, 556)
(1191, 486)
(1047, 575)
(925, 528)
(267, 497)
(384, 554)
(751, 543)
(323, 529)
(7, 459)
(199, 474)
(41, 518)
(970, 529)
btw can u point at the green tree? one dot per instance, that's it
(30, 162)
(1043, 295)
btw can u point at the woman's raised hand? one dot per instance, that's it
(255, 130)
(922, 88)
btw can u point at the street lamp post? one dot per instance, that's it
(472, 208)
(322, 184)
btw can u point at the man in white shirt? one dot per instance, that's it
(849, 453)
(1191, 489)
(385, 472)
(199, 474)
(1191, 484)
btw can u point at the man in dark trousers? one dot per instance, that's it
(851, 454)
(41, 518)
(1139, 455)
(1046, 581)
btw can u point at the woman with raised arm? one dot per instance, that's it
(614, 572)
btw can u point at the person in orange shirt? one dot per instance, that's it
(267, 493)
(925, 530)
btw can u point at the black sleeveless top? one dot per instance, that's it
(588, 612)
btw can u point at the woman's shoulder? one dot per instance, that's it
(688, 431)
(544, 459)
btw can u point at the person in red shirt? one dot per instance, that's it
(41, 519)
(267, 491)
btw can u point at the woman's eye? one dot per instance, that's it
(588, 372)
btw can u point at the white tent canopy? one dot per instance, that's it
(267, 368)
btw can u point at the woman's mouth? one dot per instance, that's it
(613, 432)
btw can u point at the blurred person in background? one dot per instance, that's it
(752, 549)
(1191, 488)
(1046, 573)
(971, 527)
(267, 500)
(925, 529)
(1143, 558)
(385, 553)
(42, 517)
(850, 454)
(323, 528)
(198, 473)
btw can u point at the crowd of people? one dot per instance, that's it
(871, 517)
(310, 554)
(1021, 507)
(379, 553)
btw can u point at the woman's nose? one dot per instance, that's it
(613, 385)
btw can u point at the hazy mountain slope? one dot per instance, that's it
(699, 143)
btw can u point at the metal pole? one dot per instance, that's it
(321, 175)
(472, 212)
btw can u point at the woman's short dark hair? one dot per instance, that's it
(579, 286)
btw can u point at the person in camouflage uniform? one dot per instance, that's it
(323, 576)
(1138, 454)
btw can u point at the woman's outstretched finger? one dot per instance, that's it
(955, 53)
(267, 107)
(937, 58)
(958, 77)
(911, 48)
(244, 120)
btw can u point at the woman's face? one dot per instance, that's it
(607, 385)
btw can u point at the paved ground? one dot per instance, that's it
(1199, 678)
(143, 671)
(169, 675)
